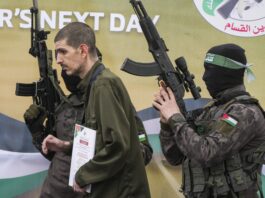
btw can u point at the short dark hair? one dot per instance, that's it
(77, 33)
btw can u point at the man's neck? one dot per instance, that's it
(88, 66)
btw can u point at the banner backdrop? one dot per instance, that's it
(188, 28)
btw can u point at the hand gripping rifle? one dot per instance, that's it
(178, 79)
(45, 92)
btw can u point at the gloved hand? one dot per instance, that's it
(34, 118)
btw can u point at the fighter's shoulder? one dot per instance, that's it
(107, 77)
(242, 109)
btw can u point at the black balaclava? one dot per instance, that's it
(70, 82)
(218, 79)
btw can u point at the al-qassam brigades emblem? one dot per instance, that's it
(245, 18)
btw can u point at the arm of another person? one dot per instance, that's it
(169, 145)
(222, 139)
(34, 118)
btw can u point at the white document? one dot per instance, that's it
(83, 150)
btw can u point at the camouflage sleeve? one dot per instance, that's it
(38, 134)
(37, 139)
(224, 136)
(145, 146)
(169, 146)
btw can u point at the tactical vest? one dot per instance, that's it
(67, 114)
(237, 173)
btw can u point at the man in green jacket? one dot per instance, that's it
(117, 169)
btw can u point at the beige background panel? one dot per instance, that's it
(184, 30)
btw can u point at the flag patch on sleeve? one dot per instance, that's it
(142, 137)
(228, 119)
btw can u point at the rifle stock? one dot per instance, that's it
(176, 79)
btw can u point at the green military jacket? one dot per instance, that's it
(117, 170)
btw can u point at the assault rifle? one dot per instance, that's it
(178, 79)
(45, 92)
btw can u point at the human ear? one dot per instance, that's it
(84, 49)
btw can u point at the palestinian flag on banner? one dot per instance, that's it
(22, 167)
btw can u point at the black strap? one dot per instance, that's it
(226, 98)
(94, 76)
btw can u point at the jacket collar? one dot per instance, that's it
(83, 85)
(230, 93)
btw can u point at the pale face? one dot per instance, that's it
(70, 59)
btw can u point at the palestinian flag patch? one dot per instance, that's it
(142, 137)
(229, 120)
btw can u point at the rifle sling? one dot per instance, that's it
(94, 76)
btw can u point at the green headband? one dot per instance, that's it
(229, 63)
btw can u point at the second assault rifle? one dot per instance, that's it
(45, 92)
(177, 78)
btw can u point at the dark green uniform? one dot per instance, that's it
(216, 153)
(117, 169)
